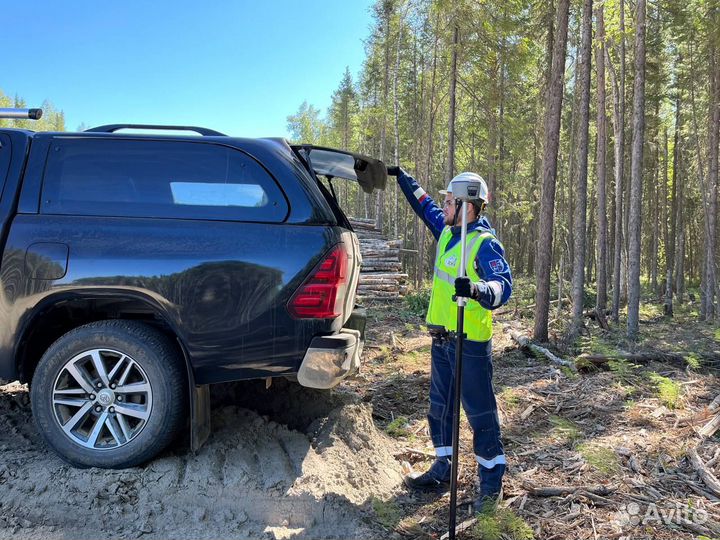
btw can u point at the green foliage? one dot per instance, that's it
(397, 108)
(694, 361)
(387, 513)
(417, 301)
(398, 427)
(650, 311)
(668, 391)
(596, 344)
(509, 397)
(624, 370)
(501, 524)
(569, 373)
(564, 428)
(600, 458)
(305, 126)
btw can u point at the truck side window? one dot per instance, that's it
(158, 179)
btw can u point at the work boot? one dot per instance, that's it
(490, 492)
(487, 504)
(437, 478)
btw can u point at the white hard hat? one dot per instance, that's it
(469, 176)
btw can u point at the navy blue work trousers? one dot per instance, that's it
(478, 401)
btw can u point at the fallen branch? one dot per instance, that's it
(527, 412)
(702, 416)
(559, 491)
(525, 343)
(706, 476)
(460, 528)
(642, 357)
(714, 460)
(703, 530)
(709, 429)
(714, 404)
(599, 316)
(415, 452)
(597, 499)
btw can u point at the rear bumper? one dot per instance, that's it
(330, 359)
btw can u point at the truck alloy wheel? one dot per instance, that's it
(110, 394)
(102, 399)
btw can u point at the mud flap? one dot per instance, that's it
(199, 396)
(199, 416)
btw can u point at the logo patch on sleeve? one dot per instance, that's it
(497, 265)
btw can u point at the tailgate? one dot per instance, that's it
(369, 173)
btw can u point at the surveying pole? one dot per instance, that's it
(465, 191)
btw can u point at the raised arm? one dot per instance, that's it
(422, 204)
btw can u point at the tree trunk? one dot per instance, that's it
(680, 254)
(543, 259)
(619, 136)
(668, 239)
(379, 218)
(396, 125)
(601, 297)
(635, 210)
(451, 120)
(703, 187)
(655, 237)
(571, 175)
(579, 232)
(672, 241)
(709, 278)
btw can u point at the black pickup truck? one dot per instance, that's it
(139, 268)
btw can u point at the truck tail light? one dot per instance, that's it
(322, 295)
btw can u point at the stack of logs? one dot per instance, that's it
(381, 274)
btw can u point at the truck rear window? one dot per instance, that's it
(166, 179)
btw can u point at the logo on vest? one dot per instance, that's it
(497, 265)
(451, 261)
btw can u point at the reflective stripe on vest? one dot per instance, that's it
(443, 310)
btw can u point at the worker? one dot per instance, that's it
(488, 285)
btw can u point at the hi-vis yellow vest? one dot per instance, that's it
(443, 310)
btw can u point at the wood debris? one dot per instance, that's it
(526, 343)
(381, 275)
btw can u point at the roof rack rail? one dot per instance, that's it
(112, 128)
(21, 114)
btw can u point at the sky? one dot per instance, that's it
(236, 66)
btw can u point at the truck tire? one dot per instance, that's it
(110, 394)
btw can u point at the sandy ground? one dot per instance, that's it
(303, 465)
(292, 463)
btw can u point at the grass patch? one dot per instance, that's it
(398, 427)
(510, 398)
(596, 345)
(693, 360)
(600, 458)
(419, 358)
(624, 370)
(668, 391)
(569, 373)
(387, 513)
(564, 429)
(501, 524)
(650, 310)
(416, 302)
